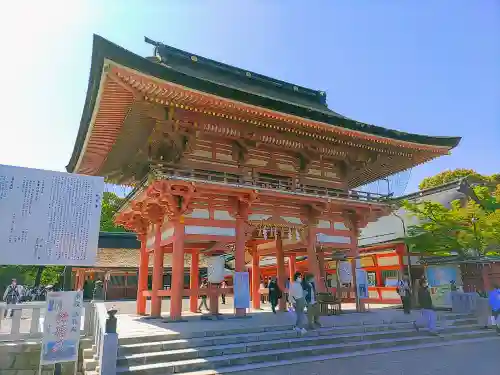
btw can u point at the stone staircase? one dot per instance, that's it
(228, 351)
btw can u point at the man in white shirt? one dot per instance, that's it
(297, 298)
(404, 292)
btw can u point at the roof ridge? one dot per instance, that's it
(318, 95)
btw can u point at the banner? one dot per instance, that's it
(48, 218)
(362, 283)
(61, 327)
(241, 290)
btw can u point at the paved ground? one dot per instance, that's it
(128, 307)
(464, 359)
(131, 325)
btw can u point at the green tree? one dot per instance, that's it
(110, 204)
(452, 175)
(469, 230)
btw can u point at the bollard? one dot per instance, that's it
(111, 321)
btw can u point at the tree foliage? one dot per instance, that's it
(467, 231)
(110, 204)
(456, 174)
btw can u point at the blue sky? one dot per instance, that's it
(430, 67)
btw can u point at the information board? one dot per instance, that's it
(61, 327)
(362, 283)
(241, 290)
(48, 218)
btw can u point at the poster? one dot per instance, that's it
(442, 280)
(362, 283)
(241, 290)
(48, 218)
(61, 327)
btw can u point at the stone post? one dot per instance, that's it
(109, 346)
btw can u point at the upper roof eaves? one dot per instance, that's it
(261, 91)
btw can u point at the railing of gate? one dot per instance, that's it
(105, 339)
(25, 321)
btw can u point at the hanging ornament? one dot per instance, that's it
(290, 235)
(265, 233)
(297, 233)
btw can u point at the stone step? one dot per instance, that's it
(198, 334)
(310, 360)
(156, 346)
(293, 350)
(311, 339)
(260, 329)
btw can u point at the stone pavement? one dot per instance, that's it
(130, 324)
(479, 358)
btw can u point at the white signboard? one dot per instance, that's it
(345, 272)
(48, 218)
(215, 269)
(61, 327)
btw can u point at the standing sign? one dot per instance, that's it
(61, 327)
(362, 283)
(241, 290)
(48, 218)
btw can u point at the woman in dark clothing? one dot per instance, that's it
(274, 294)
(428, 318)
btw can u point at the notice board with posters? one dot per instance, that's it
(61, 327)
(48, 218)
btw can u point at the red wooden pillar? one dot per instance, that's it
(292, 266)
(157, 273)
(312, 259)
(255, 280)
(194, 281)
(177, 270)
(239, 254)
(360, 306)
(142, 279)
(280, 263)
(401, 250)
(321, 278)
(486, 278)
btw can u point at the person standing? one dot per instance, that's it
(494, 300)
(298, 300)
(11, 296)
(274, 294)
(203, 297)
(223, 285)
(404, 292)
(98, 293)
(428, 318)
(287, 295)
(311, 302)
